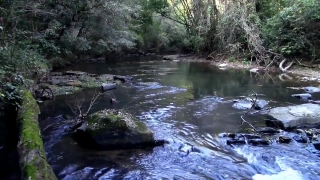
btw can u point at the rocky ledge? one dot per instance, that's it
(71, 81)
(114, 129)
(268, 136)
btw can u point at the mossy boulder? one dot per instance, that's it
(32, 155)
(113, 129)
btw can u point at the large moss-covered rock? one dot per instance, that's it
(32, 155)
(112, 129)
(119, 127)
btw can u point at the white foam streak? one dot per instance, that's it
(289, 173)
(286, 173)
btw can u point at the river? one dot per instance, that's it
(188, 104)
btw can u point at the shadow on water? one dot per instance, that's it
(187, 104)
(9, 160)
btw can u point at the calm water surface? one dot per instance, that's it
(188, 104)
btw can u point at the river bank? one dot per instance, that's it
(72, 81)
(224, 62)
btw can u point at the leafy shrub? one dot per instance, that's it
(295, 30)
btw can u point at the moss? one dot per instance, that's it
(91, 82)
(30, 171)
(63, 90)
(30, 131)
(112, 128)
(100, 122)
(29, 123)
(141, 126)
(31, 151)
(80, 83)
(108, 120)
(113, 117)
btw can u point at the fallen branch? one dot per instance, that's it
(244, 121)
(305, 65)
(254, 101)
(77, 108)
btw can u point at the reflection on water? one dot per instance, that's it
(187, 104)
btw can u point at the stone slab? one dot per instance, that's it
(298, 115)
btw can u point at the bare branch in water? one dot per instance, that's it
(253, 103)
(77, 107)
(93, 101)
(244, 121)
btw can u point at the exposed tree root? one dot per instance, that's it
(284, 75)
(284, 69)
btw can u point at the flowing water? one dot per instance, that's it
(188, 104)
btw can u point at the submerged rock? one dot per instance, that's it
(230, 135)
(284, 139)
(304, 96)
(258, 142)
(186, 149)
(311, 89)
(236, 142)
(123, 78)
(248, 103)
(242, 139)
(300, 139)
(240, 135)
(253, 142)
(294, 116)
(113, 129)
(314, 102)
(268, 130)
(108, 86)
(316, 145)
(313, 133)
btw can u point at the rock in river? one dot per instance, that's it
(114, 129)
(108, 86)
(123, 78)
(294, 116)
(311, 89)
(302, 96)
(247, 103)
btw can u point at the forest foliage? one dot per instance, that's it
(35, 34)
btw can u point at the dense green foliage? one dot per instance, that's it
(248, 28)
(294, 31)
(38, 34)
